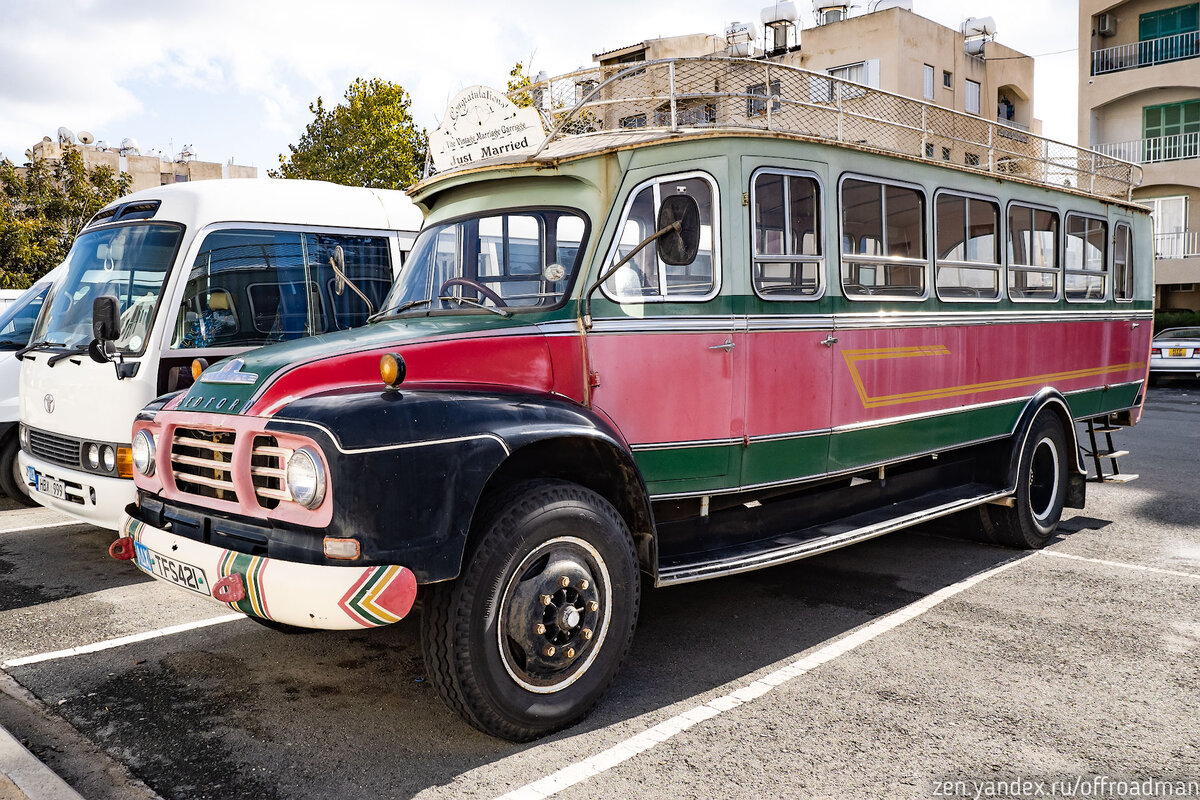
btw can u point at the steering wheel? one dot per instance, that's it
(478, 287)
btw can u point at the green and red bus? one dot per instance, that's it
(693, 330)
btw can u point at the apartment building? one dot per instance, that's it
(1139, 99)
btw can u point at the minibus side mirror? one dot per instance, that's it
(106, 318)
(338, 262)
(678, 248)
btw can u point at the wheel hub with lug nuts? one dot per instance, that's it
(551, 613)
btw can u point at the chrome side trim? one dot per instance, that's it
(404, 446)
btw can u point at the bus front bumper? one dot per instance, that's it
(96, 499)
(302, 595)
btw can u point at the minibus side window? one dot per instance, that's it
(1032, 253)
(645, 278)
(967, 251)
(368, 264)
(787, 260)
(1122, 263)
(883, 240)
(1086, 262)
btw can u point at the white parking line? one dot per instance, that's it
(623, 751)
(1123, 565)
(44, 525)
(119, 641)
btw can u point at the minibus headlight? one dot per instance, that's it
(109, 455)
(143, 452)
(306, 478)
(24, 435)
(93, 456)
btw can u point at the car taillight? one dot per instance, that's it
(1156, 351)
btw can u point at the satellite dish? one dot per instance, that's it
(86, 137)
(66, 136)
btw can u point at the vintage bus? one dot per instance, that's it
(702, 326)
(198, 270)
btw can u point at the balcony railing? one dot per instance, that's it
(1183, 244)
(1012, 123)
(1153, 150)
(1146, 54)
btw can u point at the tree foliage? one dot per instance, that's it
(369, 140)
(518, 79)
(42, 209)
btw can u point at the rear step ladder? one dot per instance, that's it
(1105, 426)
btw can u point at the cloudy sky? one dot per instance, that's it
(233, 78)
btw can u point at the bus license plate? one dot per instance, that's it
(177, 572)
(1177, 352)
(55, 488)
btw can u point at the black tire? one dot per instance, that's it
(511, 664)
(11, 480)
(1041, 490)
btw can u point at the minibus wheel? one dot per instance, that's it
(1041, 490)
(531, 634)
(11, 479)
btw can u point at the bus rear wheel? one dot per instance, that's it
(1041, 490)
(530, 636)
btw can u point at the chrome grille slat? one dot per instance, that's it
(207, 463)
(215, 483)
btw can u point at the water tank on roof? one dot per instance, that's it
(780, 12)
(979, 26)
(740, 36)
(130, 147)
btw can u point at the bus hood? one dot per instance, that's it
(467, 349)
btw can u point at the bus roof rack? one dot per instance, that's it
(600, 108)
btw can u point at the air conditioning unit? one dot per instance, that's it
(1106, 24)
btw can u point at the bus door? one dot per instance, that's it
(663, 352)
(790, 343)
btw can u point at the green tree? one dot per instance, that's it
(42, 209)
(369, 140)
(518, 79)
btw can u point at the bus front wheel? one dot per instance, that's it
(12, 482)
(1041, 490)
(531, 634)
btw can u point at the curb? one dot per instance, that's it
(32, 778)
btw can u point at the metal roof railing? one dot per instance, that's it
(604, 107)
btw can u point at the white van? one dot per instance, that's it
(16, 323)
(199, 271)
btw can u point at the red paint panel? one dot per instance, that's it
(789, 385)
(400, 594)
(521, 362)
(570, 365)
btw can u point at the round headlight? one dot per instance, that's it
(306, 478)
(109, 454)
(143, 452)
(24, 434)
(93, 456)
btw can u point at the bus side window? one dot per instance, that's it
(787, 262)
(1086, 263)
(967, 237)
(1122, 263)
(368, 265)
(1033, 258)
(887, 221)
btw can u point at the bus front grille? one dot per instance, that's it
(202, 462)
(268, 471)
(56, 449)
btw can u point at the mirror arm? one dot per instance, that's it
(337, 271)
(608, 273)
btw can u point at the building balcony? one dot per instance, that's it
(1182, 244)
(1154, 150)
(1162, 50)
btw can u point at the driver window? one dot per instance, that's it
(645, 277)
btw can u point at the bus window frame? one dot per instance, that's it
(820, 260)
(999, 264)
(1105, 257)
(1009, 266)
(1129, 266)
(610, 253)
(885, 260)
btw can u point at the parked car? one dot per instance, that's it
(1175, 351)
(16, 323)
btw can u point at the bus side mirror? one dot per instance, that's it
(679, 247)
(338, 262)
(106, 326)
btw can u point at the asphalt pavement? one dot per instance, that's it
(920, 664)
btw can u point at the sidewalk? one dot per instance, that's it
(23, 777)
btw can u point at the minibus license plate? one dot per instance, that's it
(55, 488)
(177, 572)
(1177, 352)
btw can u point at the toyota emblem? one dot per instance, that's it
(48, 402)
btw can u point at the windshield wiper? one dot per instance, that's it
(388, 313)
(37, 346)
(469, 302)
(74, 351)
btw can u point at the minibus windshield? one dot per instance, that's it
(130, 262)
(503, 261)
(16, 323)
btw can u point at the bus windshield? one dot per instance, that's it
(16, 323)
(508, 261)
(130, 262)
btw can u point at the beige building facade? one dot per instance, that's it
(1139, 100)
(147, 171)
(891, 49)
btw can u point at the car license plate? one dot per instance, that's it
(1177, 352)
(55, 488)
(177, 572)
